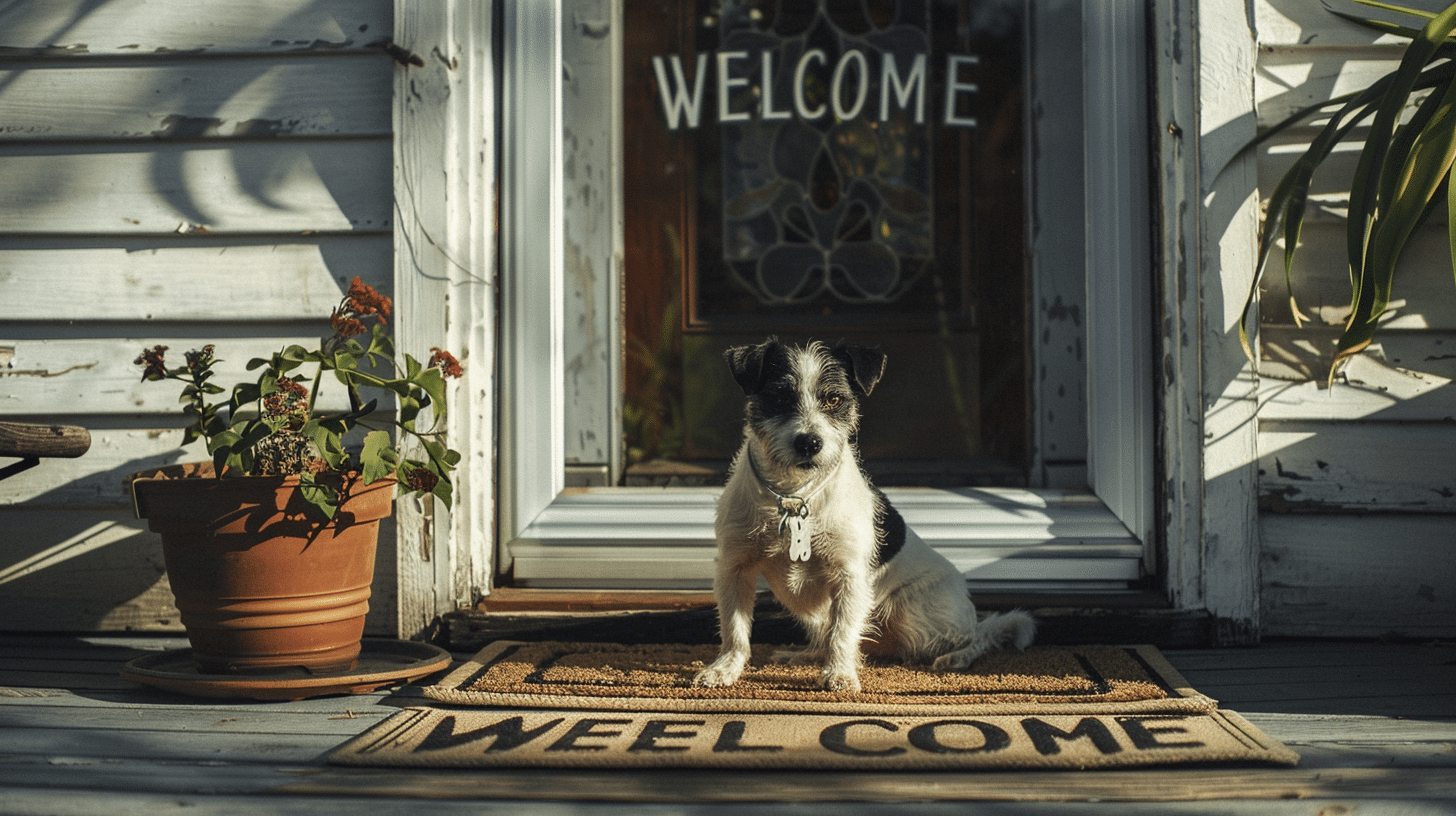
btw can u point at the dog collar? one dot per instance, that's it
(793, 513)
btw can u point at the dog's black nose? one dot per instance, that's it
(807, 445)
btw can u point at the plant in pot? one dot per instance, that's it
(1402, 177)
(269, 546)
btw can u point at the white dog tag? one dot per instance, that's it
(794, 515)
(798, 539)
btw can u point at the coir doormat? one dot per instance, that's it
(615, 706)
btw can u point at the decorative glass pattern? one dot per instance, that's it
(825, 152)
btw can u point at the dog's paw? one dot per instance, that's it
(955, 661)
(841, 681)
(719, 674)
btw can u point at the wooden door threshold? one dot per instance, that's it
(661, 616)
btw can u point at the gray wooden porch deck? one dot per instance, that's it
(1374, 722)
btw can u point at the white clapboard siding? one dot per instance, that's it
(1358, 466)
(1309, 24)
(1291, 79)
(244, 187)
(219, 98)
(1403, 376)
(173, 173)
(185, 279)
(80, 28)
(98, 376)
(1338, 575)
(90, 569)
(1356, 481)
(97, 478)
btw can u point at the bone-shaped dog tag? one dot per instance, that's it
(795, 517)
(798, 539)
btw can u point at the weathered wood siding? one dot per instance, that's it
(1357, 482)
(175, 173)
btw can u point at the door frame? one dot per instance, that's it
(1194, 506)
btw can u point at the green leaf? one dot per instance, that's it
(1287, 202)
(297, 354)
(344, 360)
(444, 492)
(1411, 162)
(378, 459)
(409, 410)
(325, 498)
(432, 381)
(1451, 222)
(1428, 143)
(327, 438)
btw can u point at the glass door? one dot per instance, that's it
(679, 177)
(831, 170)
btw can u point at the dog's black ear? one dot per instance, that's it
(755, 366)
(865, 366)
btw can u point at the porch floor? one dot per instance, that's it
(1374, 722)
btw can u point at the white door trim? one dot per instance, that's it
(1204, 106)
(445, 283)
(590, 526)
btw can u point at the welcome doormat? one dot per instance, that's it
(616, 706)
(621, 677)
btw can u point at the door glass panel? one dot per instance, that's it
(835, 170)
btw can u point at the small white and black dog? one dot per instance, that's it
(799, 511)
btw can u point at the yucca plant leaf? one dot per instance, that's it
(1383, 26)
(1288, 201)
(1426, 167)
(1364, 193)
(1451, 222)
(1398, 173)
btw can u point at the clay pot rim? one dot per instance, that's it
(203, 471)
(201, 475)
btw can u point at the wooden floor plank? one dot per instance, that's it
(1040, 786)
(205, 720)
(1355, 729)
(62, 803)
(169, 746)
(1375, 725)
(283, 776)
(1336, 654)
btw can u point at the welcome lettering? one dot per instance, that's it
(867, 738)
(848, 81)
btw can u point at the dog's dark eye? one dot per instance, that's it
(831, 401)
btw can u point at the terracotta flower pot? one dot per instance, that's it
(261, 581)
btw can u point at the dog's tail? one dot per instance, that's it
(997, 631)
(1016, 629)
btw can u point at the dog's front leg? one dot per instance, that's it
(734, 590)
(852, 603)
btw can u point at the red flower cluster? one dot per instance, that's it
(364, 300)
(345, 326)
(421, 480)
(446, 362)
(154, 366)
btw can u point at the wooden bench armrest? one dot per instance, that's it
(30, 441)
